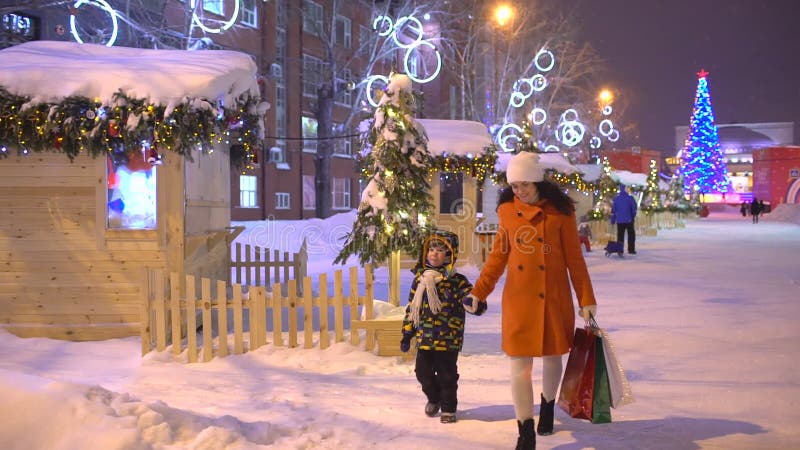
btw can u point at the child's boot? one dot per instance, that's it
(431, 409)
(448, 417)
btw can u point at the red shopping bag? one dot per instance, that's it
(577, 386)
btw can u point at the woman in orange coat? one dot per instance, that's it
(537, 246)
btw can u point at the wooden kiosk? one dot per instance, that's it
(72, 264)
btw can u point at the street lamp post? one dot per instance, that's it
(503, 14)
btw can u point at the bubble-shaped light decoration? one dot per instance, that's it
(100, 4)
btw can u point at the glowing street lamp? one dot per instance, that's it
(606, 97)
(503, 14)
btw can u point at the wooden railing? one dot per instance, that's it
(253, 320)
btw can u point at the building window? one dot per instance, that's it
(451, 193)
(312, 17)
(312, 74)
(131, 202)
(342, 146)
(343, 32)
(309, 134)
(345, 94)
(277, 154)
(341, 193)
(214, 6)
(413, 64)
(250, 13)
(364, 35)
(18, 28)
(248, 191)
(309, 193)
(282, 200)
(455, 102)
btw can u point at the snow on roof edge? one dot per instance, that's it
(48, 71)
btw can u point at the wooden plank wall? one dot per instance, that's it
(208, 215)
(61, 274)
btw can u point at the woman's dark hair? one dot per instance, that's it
(548, 191)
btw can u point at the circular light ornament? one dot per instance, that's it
(537, 116)
(570, 131)
(552, 149)
(607, 110)
(402, 22)
(549, 55)
(521, 84)
(595, 142)
(605, 127)
(503, 136)
(517, 99)
(368, 88)
(225, 25)
(538, 82)
(100, 4)
(569, 115)
(438, 61)
(378, 23)
(613, 136)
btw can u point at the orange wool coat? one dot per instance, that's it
(541, 250)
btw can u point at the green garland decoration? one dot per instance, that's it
(78, 124)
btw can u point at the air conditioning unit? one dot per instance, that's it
(275, 70)
(636, 150)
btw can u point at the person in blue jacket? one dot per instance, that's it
(623, 213)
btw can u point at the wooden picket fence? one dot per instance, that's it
(252, 265)
(167, 315)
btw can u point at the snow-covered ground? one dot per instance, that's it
(704, 320)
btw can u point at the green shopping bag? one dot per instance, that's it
(601, 399)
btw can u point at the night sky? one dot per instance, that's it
(751, 48)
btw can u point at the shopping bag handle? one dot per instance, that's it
(592, 323)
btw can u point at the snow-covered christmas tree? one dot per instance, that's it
(651, 200)
(396, 204)
(702, 162)
(606, 189)
(676, 200)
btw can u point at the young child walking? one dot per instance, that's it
(435, 316)
(585, 234)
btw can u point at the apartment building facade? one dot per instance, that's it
(294, 44)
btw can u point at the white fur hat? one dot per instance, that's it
(524, 166)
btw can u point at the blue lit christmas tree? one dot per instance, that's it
(702, 162)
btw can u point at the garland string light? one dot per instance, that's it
(79, 124)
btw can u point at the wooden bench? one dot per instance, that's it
(388, 333)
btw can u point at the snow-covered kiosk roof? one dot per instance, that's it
(84, 228)
(48, 71)
(456, 137)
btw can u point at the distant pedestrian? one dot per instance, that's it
(755, 209)
(743, 209)
(623, 213)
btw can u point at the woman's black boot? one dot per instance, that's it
(527, 438)
(545, 426)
